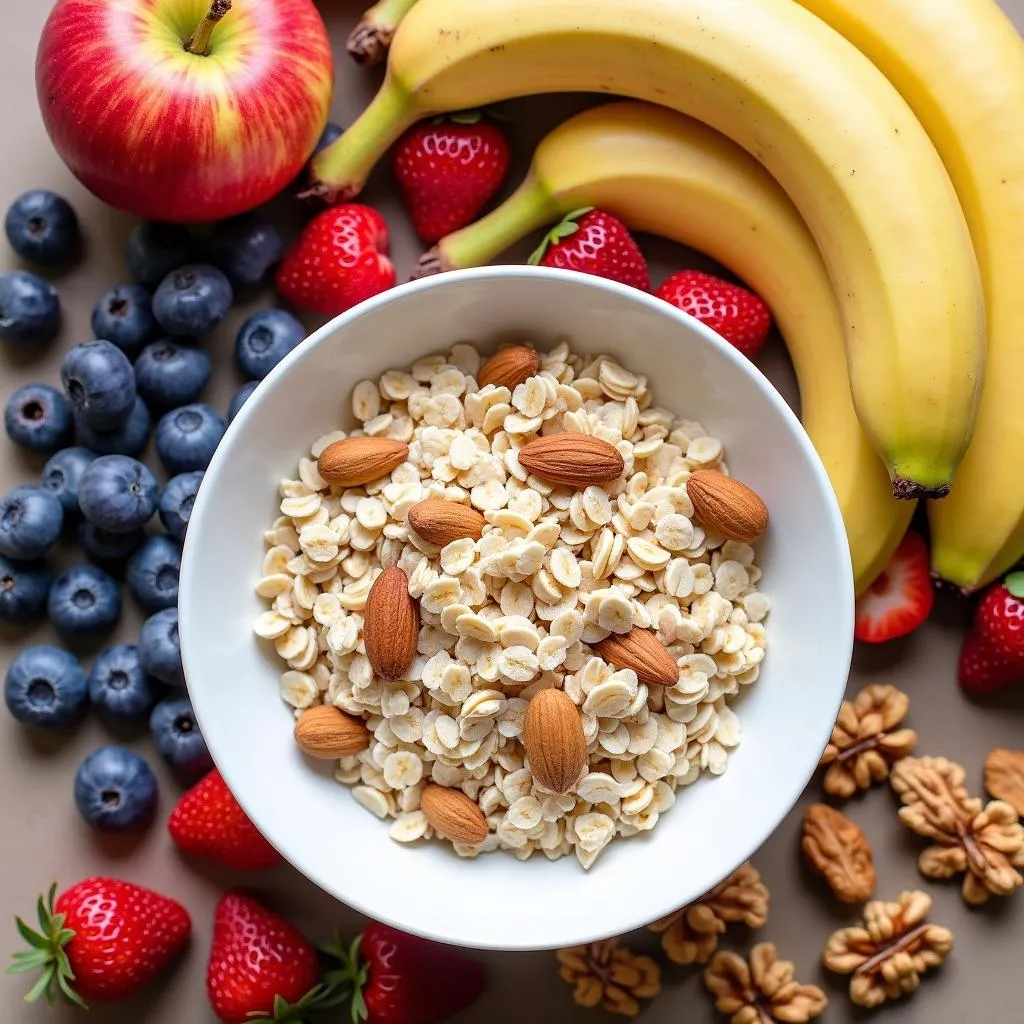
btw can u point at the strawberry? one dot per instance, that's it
(901, 598)
(396, 978)
(992, 655)
(594, 242)
(735, 313)
(338, 260)
(103, 940)
(261, 966)
(448, 168)
(209, 823)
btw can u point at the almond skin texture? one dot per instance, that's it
(574, 460)
(640, 650)
(509, 367)
(391, 624)
(327, 732)
(440, 522)
(358, 460)
(554, 740)
(454, 815)
(726, 506)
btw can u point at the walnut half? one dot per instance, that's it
(608, 974)
(889, 951)
(837, 849)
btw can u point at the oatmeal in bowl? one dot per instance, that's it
(475, 578)
(515, 604)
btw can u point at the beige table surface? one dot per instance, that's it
(42, 837)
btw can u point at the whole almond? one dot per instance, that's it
(391, 624)
(453, 814)
(327, 732)
(640, 650)
(440, 522)
(727, 506)
(554, 740)
(575, 460)
(509, 367)
(358, 460)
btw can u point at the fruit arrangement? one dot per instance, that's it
(881, 237)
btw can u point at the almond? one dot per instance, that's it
(440, 522)
(726, 506)
(640, 650)
(554, 740)
(453, 814)
(575, 460)
(509, 367)
(326, 731)
(358, 460)
(391, 625)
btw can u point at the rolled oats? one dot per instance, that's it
(503, 617)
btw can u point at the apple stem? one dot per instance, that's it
(199, 41)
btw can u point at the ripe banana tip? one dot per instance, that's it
(909, 490)
(368, 42)
(430, 263)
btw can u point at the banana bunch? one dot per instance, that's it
(664, 173)
(821, 118)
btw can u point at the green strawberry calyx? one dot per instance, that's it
(319, 997)
(351, 977)
(1014, 583)
(567, 226)
(46, 954)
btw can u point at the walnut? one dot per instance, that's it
(984, 844)
(839, 851)
(608, 974)
(690, 935)
(889, 951)
(1004, 777)
(763, 990)
(866, 740)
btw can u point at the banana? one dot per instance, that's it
(960, 66)
(368, 42)
(801, 99)
(666, 174)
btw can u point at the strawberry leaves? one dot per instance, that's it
(1014, 583)
(352, 975)
(566, 227)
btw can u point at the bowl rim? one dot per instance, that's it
(843, 598)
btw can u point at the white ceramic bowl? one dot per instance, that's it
(496, 901)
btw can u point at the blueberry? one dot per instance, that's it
(29, 309)
(24, 587)
(245, 248)
(43, 229)
(104, 546)
(192, 299)
(84, 601)
(37, 417)
(118, 493)
(160, 649)
(177, 736)
(187, 437)
(130, 438)
(61, 475)
(118, 684)
(99, 383)
(176, 502)
(169, 374)
(124, 315)
(153, 574)
(331, 133)
(240, 397)
(46, 687)
(115, 790)
(265, 339)
(155, 249)
(30, 522)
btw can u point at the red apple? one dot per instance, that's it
(176, 110)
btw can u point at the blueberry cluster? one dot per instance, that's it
(141, 377)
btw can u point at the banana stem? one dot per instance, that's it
(531, 206)
(340, 170)
(199, 41)
(368, 42)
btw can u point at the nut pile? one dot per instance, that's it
(516, 603)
